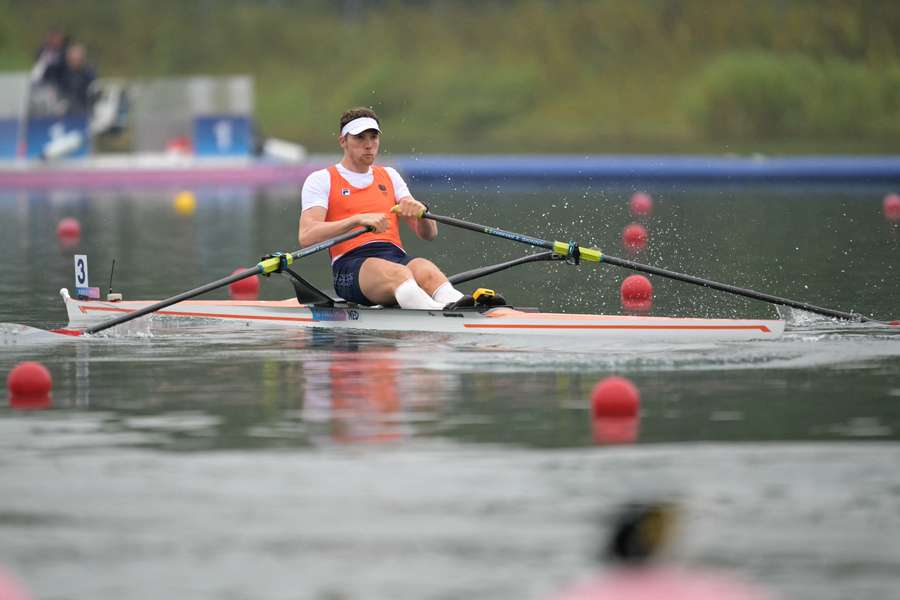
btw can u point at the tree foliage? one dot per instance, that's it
(529, 75)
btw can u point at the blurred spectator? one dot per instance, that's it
(50, 60)
(78, 78)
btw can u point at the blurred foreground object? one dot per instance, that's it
(10, 588)
(640, 531)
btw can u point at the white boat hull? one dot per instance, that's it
(500, 321)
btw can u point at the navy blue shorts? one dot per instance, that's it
(345, 270)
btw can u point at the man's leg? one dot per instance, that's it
(433, 281)
(386, 282)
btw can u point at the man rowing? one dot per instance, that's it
(372, 268)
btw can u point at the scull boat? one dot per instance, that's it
(314, 308)
(501, 320)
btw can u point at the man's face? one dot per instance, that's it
(75, 57)
(363, 147)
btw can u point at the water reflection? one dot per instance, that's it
(30, 402)
(615, 430)
(249, 388)
(359, 391)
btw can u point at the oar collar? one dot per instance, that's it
(275, 263)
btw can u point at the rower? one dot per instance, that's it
(373, 268)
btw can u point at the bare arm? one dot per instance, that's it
(314, 228)
(409, 208)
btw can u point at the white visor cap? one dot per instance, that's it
(357, 126)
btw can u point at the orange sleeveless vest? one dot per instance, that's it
(344, 201)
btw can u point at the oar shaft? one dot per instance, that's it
(731, 289)
(482, 271)
(176, 299)
(268, 265)
(329, 243)
(594, 255)
(516, 237)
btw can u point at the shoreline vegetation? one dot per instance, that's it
(530, 76)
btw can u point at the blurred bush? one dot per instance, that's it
(518, 75)
(761, 95)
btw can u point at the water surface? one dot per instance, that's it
(189, 460)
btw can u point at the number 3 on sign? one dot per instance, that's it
(81, 271)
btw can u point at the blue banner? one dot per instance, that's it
(57, 137)
(9, 138)
(222, 135)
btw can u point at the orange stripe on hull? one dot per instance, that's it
(762, 328)
(177, 313)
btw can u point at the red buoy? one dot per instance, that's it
(615, 397)
(614, 411)
(244, 289)
(891, 207)
(634, 237)
(641, 204)
(29, 379)
(636, 293)
(68, 230)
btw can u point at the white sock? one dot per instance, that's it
(409, 295)
(446, 294)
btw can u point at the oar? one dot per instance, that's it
(268, 265)
(574, 251)
(482, 271)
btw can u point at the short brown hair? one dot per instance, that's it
(356, 113)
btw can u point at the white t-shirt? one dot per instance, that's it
(318, 185)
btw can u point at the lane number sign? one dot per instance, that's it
(81, 271)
